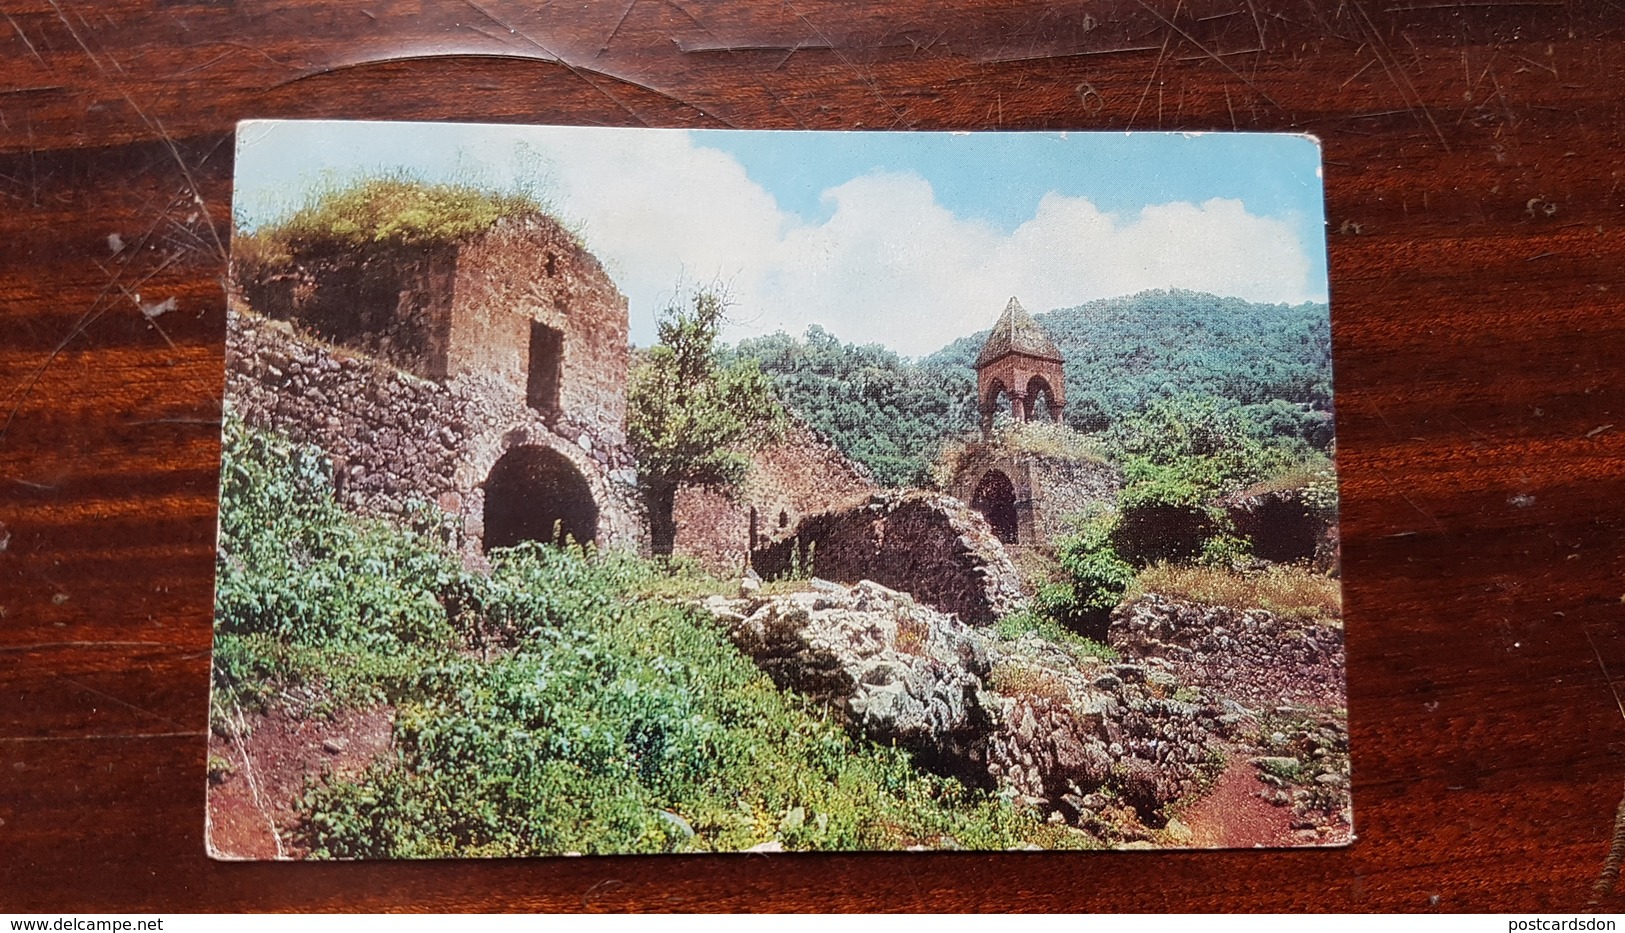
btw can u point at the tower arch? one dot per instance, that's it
(1021, 360)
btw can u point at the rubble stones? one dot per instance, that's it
(1249, 655)
(897, 671)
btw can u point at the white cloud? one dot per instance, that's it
(890, 264)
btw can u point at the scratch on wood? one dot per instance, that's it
(1609, 878)
(1153, 77)
(105, 736)
(105, 695)
(24, 36)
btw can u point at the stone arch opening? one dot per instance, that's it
(537, 494)
(1041, 400)
(995, 498)
(998, 406)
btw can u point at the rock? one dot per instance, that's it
(1026, 716)
(1129, 673)
(750, 585)
(896, 671)
(771, 846)
(335, 745)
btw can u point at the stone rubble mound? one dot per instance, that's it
(1249, 655)
(1079, 737)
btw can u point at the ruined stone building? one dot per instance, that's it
(484, 376)
(1029, 497)
(795, 476)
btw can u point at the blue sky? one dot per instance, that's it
(905, 239)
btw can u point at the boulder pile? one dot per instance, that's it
(1094, 742)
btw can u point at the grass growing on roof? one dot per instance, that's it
(396, 210)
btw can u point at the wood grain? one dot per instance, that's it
(1476, 199)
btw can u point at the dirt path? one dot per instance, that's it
(252, 809)
(1233, 816)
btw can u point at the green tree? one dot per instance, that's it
(1178, 456)
(689, 413)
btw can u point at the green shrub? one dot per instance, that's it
(1093, 579)
(614, 732)
(291, 565)
(606, 723)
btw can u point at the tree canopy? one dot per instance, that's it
(690, 412)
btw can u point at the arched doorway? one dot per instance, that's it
(995, 498)
(537, 494)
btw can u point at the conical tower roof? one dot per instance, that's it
(1017, 332)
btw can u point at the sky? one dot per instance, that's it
(906, 239)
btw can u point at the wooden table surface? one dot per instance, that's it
(1476, 193)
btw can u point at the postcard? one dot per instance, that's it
(597, 491)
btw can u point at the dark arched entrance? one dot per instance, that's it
(995, 498)
(537, 494)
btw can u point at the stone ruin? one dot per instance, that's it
(929, 545)
(791, 478)
(484, 376)
(1027, 498)
(1031, 499)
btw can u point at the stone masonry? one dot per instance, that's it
(484, 376)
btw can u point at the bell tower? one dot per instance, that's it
(1019, 360)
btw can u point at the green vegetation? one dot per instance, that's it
(1178, 456)
(1290, 592)
(552, 706)
(879, 409)
(689, 411)
(1017, 624)
(1268, 366)
(1122, 354)
(393, 211)
(1091, 579)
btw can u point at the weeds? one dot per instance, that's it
(1017, 624)
(610, 722)
(1020, 680)
(1290, 592)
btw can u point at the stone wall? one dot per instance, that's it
(396, 438)
(932, 546)
(466, 308)
(791, 478)
(1248, 655)
(390, 302)
(1051, 492)
(533, 270)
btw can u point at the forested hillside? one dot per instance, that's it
(1123, 353)
(880, 409)
(1272, 362)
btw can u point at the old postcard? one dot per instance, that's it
(594, 490)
